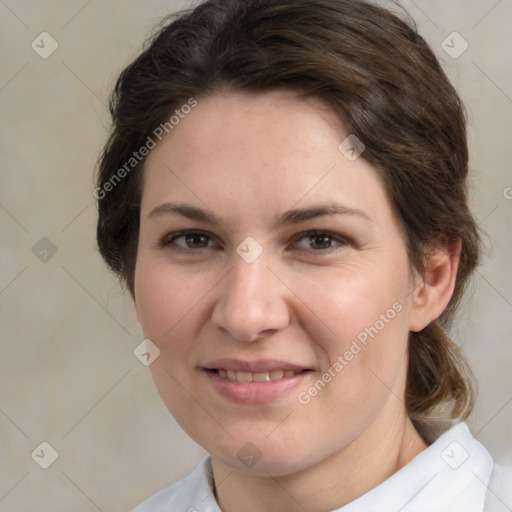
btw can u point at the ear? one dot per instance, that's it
(434, 289)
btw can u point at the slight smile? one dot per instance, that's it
(254, 382)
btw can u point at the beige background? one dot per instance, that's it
(68, 375)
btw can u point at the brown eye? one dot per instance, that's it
(319, 241)
(189, 240)
(196, 241)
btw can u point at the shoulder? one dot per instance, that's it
(499, 493)
(494, 476)
(193, 493)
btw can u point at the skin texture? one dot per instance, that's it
(248, 159)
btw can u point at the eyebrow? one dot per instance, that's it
(294, 216)
(302, 214)
(185, 210)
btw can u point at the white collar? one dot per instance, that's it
(450, 475)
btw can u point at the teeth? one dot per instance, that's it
(243, 377)
(260, 377)
(255, 377)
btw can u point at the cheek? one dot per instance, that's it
(166, 299)
(170, 308)
(361, 326)
(350, 304)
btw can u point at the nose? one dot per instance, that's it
(252, 301)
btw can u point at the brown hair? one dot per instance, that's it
(387, 87)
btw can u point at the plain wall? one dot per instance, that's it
(68, 374)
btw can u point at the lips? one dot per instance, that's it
(261, 366)
(255, 377)
(254, 382)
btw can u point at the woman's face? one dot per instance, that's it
(283, 312)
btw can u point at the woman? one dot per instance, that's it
(284, 194)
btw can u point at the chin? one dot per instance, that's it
(262, 457)
(264, 466)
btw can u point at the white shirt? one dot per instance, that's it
(450, 475)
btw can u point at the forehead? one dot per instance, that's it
(258, 153)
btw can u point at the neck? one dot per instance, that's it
(332, 483)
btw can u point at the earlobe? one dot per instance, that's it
(435, 288)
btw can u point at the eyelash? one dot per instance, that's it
(341, 241)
